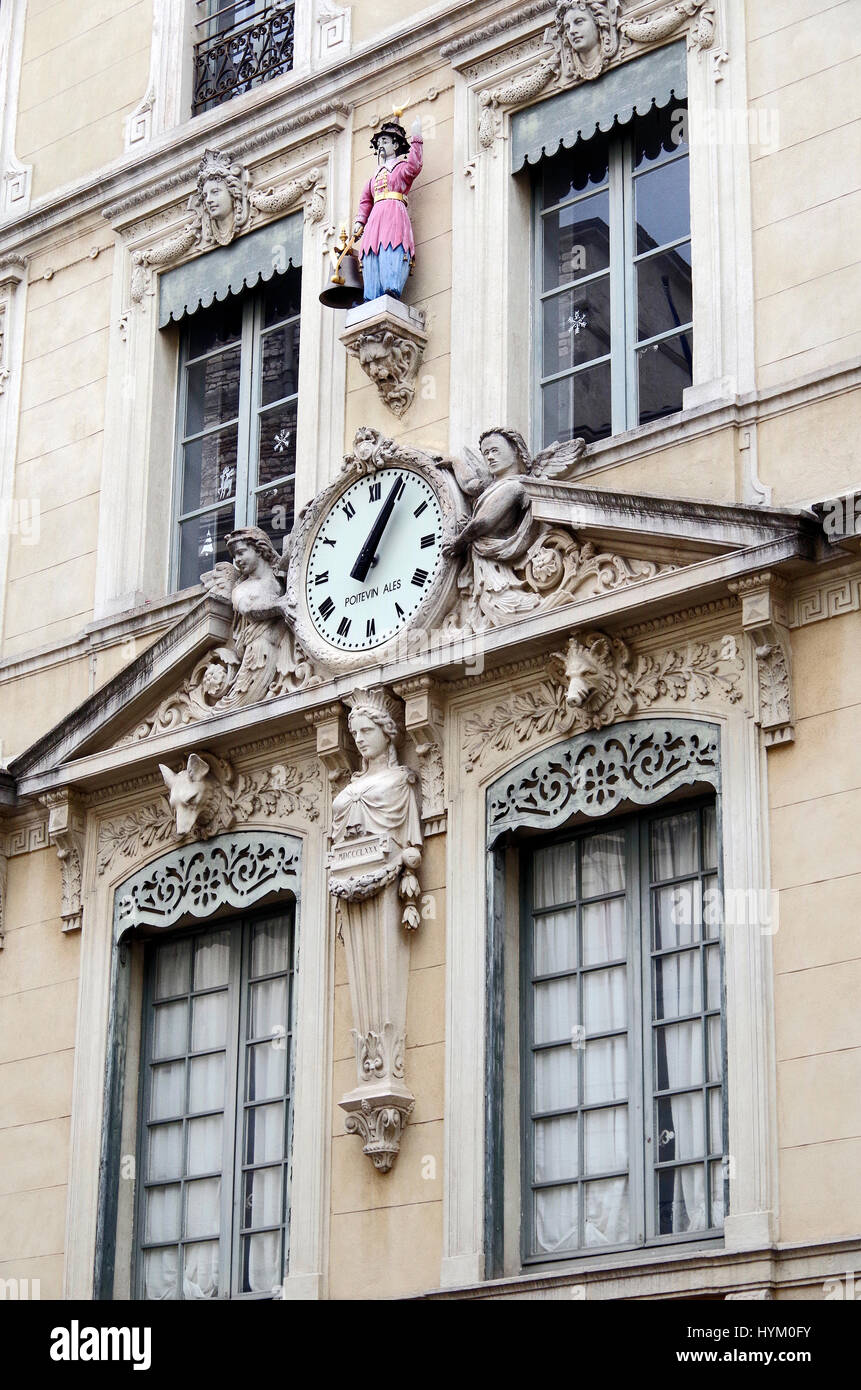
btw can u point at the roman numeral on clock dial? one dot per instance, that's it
(327, 608)
(420, 577)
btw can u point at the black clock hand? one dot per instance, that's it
(369, 549)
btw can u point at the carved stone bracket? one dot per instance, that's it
(66, 826)
(424, 720)
(388, 339)
(333, 746)
(765, 619)
(576, 54)
(223, 206)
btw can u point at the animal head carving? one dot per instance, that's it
(596, 669)
(193, 794)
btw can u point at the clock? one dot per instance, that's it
(369, 564)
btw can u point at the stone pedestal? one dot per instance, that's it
(389, 340)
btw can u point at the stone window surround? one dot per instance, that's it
(106, 1012)
(492, 207)
(750, 1076)
(133, 552)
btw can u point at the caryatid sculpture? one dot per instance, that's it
(383, 222)
(373, 865)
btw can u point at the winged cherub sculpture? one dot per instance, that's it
(501, 533)
(264, 653)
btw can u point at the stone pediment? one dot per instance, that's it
(566, 558)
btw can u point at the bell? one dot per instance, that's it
(346, 288)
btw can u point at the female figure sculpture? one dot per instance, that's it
(382, 221)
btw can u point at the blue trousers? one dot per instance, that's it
(385, 271)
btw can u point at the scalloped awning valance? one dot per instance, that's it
(230, 269)
(658, 77)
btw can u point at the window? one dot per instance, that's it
(613, 331)
(215, 1111)
(621, 1036)
(237, 46)
(239, 364)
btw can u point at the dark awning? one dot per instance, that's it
(657, 78)
(229, 269)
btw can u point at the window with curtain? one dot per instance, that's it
(236, 434)
(213, 1160)
(622, 1036)
(613, 301)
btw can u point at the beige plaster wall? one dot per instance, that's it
(804, 73)
(85, 67)
(38, 1006)
(815, 806)
(386, 1231)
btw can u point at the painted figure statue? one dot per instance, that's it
(382, 221)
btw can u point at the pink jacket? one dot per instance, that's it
(386, 220)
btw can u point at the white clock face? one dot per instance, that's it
(374, 559)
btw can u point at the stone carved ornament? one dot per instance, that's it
(598, 681)
(376, 852)
(765, 619)
(66, 827)
(390, 356)
(512, 564)
(205, 798)
(222, 206)
(585, 38)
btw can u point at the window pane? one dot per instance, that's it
(171, 973)
(556, 1222)
(281, 296)
(280, 363)
(576, 326)
(165, 1151)
(211, 959)
(578, 406)
(209, 1021)
(713, 992)
(202, 1207)
(162, 1213)
(717, 1183)
(664, 294)
(665, 371)
(681, 1200)
(576, 240)
(554, 942)
(603, 931)
(170, 1030)
(709, 838)
(606, 1071)
(605, 1000)
(677, 915)
(603, 863)
(679, 1055)
(205, 1144)
(264, 1133)
(277, 452)
(715, 1048)
(605, 1140)
(662, 204)
(556, 1010)
(202, 544)
(555, 1074)
(553, 875)
(261, 1202)
(168, 1090)
(206, 1082)
(267, 1069)
(269, 1009)
(261, 1262)
(660, 134)
(160, 1273)
(675, 846)
(712, 907)
(608, 1220)
(556, 1148)
(269, 948)
(209, 470)
(275, 508)
(716, 1121)
(212, 391)
(678, 985)
(200, 1270)
(575, 171)
(213, 328)
(681, 1127)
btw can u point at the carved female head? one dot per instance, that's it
(504, 451)
(374, 727)
(247, 547)
(222, 196)
(586, 35)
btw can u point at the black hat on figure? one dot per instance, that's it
(398, 134)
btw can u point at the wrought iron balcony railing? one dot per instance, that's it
(238, 46)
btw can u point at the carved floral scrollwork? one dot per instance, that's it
(597, 681)
(66, 826)
(765, 619)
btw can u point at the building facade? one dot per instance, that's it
(429, 789)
